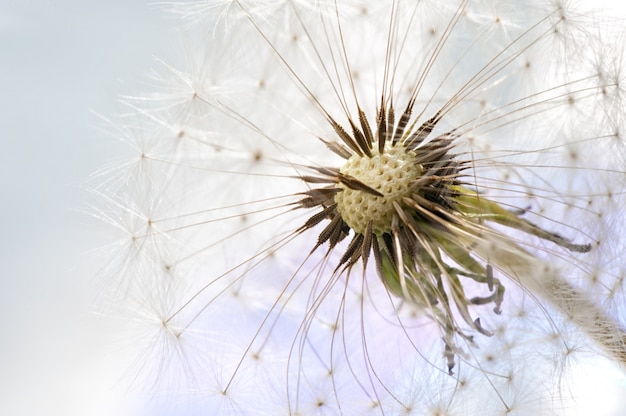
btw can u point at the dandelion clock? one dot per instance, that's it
(374, 208)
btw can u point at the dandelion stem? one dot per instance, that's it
(544, 280)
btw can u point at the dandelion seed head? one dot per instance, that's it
(374, 208)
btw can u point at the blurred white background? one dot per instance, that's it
(61, 61)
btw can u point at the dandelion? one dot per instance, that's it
(375, 208)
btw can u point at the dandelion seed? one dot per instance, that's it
(370, 208)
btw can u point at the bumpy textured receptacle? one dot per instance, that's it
(391, 173)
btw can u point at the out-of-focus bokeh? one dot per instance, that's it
(62, 63)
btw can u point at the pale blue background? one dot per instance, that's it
(60, 61)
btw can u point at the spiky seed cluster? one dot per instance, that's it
(385, 175)
(402, 195)
(392, 173)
